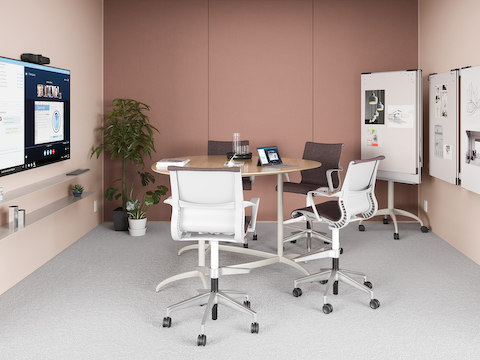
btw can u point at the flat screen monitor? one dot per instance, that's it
(34, 115)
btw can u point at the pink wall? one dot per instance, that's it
(279, 72)
(76, 43)
(448, 36)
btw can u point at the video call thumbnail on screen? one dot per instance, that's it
(34, 115)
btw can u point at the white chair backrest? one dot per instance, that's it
(207, 201)
(357, 194)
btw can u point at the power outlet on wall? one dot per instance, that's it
(425, 206)
(95, 206)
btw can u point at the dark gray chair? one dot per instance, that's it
(326, 177)
(224, 147)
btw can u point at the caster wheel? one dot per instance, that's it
(247, 304)
(374, 304)
(254, 328)
(202, 340)
(323, 282)
(385, 221)
(368, 284)
(341, 251)
(361, 227)
(297, 292)
(424, 229)
(327, 308)
(245, 246)
(293, 241)
(396, 236)
(255, 237)
(167, 321)
(215, 312)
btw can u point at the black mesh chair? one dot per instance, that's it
(326, 177)
(222, 148)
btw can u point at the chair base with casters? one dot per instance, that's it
(213, 297)
(393, 213)
(331, 277)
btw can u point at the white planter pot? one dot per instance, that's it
(137, 227)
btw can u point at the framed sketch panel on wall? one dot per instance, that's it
(444, 126)
(470, 128)
(391, 123)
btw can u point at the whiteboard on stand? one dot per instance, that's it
(396, 130)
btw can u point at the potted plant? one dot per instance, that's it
(128, 136)
(137, 209)
(77, 190)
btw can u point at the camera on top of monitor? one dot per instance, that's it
(35, 58)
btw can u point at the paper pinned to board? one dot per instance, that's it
(372, 138)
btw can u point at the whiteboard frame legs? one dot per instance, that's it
(392, 212)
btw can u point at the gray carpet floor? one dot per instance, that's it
(97, 300)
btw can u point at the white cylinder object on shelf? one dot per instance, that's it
(13, 217)
(21, 218)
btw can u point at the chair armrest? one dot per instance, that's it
(254, 202)
(330, 181)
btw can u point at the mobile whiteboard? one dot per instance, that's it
(443, 126)
(392, 126)
(470, 128)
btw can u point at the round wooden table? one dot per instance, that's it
(249, 168)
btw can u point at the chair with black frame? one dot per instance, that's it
(216, 147)
(324, 178)
(208, 205)
(355, 202)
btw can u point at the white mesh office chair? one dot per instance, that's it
(324, 178)
(208, 205)
(356, 201)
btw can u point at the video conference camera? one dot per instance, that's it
(35, 58)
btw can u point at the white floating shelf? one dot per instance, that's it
(38, 186)
(43, 212)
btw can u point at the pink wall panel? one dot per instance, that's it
(261, 79)
(352, 37)
(157, 52)
(278, 71)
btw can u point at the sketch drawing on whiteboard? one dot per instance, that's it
(437, 101)
(473, 100)
(400, 116)
(439, 141)
(444, 100)
(473, 145)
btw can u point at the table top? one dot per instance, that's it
(249, 168)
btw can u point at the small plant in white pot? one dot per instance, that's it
(137, 209)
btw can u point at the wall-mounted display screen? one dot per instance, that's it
(34, 115)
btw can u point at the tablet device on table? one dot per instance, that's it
(268, 156)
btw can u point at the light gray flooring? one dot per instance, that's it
(96, 300)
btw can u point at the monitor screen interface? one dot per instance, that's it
(34, 115)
